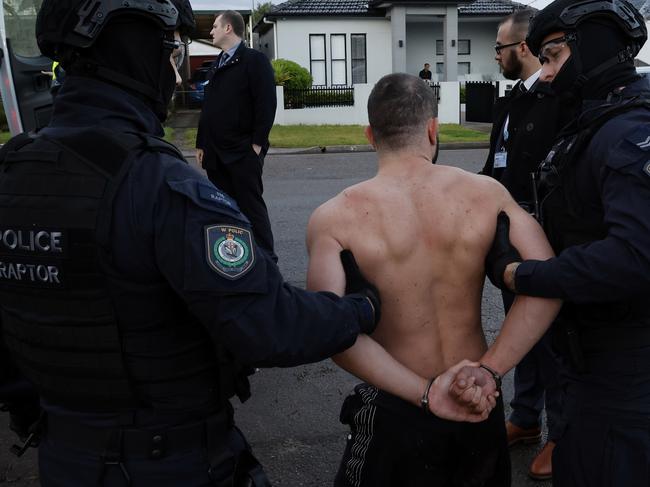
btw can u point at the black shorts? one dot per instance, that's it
(393, 443)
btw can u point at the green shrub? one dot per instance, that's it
(463, 91)
(291, 75)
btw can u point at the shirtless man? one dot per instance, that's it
(409, 227)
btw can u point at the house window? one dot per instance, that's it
(318, 64)
(464, 47)
(339, 59)
(359, 63)
(463, 68)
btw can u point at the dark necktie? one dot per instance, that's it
(224, 58)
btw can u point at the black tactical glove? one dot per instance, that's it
(19, 398)
(501, 253)
(355, 283)
(22, 418)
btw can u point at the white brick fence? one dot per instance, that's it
(448, 108)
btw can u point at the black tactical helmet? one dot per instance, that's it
(78, 23)
(567, 15)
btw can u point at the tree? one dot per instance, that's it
(260, 11)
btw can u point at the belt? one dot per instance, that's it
(137, 443)
(621, 362)
(614, 338)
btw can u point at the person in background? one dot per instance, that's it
(236, 119)
(425, 73)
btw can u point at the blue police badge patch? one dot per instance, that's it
(230, 250)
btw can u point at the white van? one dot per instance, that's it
(644, 70)
(24, 84)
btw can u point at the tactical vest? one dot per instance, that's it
(568, 222)
(564, 217)
(86, 337)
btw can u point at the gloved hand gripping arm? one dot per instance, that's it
(503, 258)
(355, 283)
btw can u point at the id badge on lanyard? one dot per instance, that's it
(500, 159)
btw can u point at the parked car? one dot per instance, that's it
(644, 70)
(197, 85)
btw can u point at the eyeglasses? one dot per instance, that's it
(498, 47)
(551, 49)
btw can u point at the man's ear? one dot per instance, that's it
(432, 131)
(369, 135)
(524, 51)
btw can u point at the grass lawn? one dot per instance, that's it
(450, 132)
(323, 135)
(4, 137)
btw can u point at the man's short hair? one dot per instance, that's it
(427, 64)
(399, 108)
(235, 19)
(520, 21)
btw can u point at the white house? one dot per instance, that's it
(348, 42)
(356, 42)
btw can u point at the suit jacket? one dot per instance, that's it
(535, 118)
(238, 108)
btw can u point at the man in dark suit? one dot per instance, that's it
(237, 116)
(525, 124)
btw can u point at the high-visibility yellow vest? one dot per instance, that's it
(55, 65)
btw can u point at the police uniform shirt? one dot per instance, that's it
(614, 170)
(170, 223)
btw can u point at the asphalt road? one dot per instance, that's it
(292, 418)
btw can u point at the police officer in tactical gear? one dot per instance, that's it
(132, 294)
(595, 209)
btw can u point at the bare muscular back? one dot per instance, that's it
(421, 236)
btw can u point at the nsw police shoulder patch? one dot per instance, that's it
(230, 250)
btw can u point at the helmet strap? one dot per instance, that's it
(621, 57)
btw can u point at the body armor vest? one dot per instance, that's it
(566, 220)
(569, 217)
(89, 339)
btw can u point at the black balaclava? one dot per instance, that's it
(134, 56)
(605, 35)
(598, 41)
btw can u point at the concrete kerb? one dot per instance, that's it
(340, 149)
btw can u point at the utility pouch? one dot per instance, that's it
(249, 472)
(237, 470)
(567, 341)
(350, 407)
